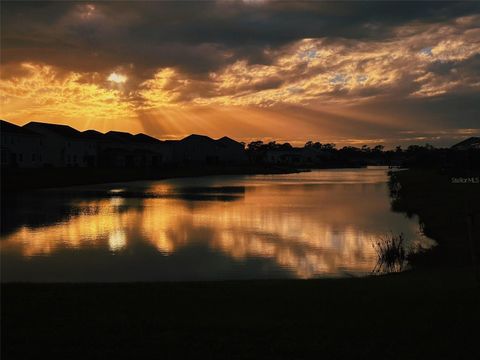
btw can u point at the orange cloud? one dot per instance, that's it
(50, 95)
(325, 80)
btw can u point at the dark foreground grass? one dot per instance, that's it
(408, 316)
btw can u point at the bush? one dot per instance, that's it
(392, 254)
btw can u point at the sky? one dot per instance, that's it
(351, 73)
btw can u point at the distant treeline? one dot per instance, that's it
(316, 154)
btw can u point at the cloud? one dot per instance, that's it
(262, 56)
(54, 96)
(198, 37)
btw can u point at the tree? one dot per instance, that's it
(378, 148)
(328, 147)
(272, 145)
(365, 148)
(255, 145)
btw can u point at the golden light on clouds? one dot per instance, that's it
(48, 94)
(162, 89)
(169, 81)
(87, 11)
(117, 78)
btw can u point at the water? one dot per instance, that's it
(315, 224)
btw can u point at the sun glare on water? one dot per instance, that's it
(117, 78)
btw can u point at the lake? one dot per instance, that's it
(307, 225)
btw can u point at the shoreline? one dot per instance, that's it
(448, 212)
(15, 180)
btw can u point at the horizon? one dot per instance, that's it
(277, 141)
(344, 73)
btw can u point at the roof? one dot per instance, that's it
(146, 139)
(228, 141)
(119, 135)
(93, 135)
(470, 143)
(7, 127)
(63, 130)
(195, 137)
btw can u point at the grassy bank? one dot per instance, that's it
(448, 212)
(409, 316)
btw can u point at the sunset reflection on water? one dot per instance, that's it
(305, 225)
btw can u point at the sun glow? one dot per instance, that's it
(117, 78)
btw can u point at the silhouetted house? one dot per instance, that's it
(159, 152)
(231, 151)
(96, 140)
(93, 135)
(121, 149)
(470, 143)
(118, 150)
(64, 146)
(20, 147)
(196, 149)
(170, 149)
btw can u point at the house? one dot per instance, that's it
(470, 143)
(118, 150)
(201, 149)
(20, 147)
(159, 152)
(95, 140)
(231, 151)
(121, 149)
(196, 149)
(169, 148)
(64, 146)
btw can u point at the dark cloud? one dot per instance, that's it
(203, 37)
(450, 111)
(195, 37)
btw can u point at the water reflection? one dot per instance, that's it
(299, 225)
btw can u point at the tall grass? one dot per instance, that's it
(391, 252)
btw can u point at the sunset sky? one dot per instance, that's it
(354, 73)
